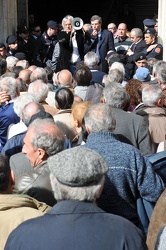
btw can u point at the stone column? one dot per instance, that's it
(162, 25)
(8, 18)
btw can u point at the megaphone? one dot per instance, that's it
(77, 23)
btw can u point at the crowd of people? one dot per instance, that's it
(81, 110)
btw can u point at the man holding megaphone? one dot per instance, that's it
(70, 47)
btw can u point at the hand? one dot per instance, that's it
(94, 34)
(151, 47)
(4, 98)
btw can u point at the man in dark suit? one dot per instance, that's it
(136, 47)
(101, 42)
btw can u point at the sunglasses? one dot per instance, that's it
(37, 31)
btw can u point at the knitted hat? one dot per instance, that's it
(142, 74)
(78, 166)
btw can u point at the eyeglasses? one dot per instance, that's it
(37, 31)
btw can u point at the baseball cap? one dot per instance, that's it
(142, 74)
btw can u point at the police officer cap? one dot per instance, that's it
(22, 29)
(149, 23)
(139, 56)
(150, 31)
(2, 45)
(52, 24)
(11, 39)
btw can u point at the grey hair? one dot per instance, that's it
(138, 32)
(39, 89)
(9, 85)
(21, 101)
(39, 73)
(100, 117)
(115, 75)
(116, 95)
(68, 17)
(157, 65)
(118, 65)
(151, 94)
(51, 141)
(91, 59)
(11, 62)
(161, 73)
(63, 192)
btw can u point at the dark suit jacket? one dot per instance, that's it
(106, 44)
(133, 130)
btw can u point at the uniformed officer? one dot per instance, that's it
(154, 49)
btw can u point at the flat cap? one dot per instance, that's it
(20, 56)
(11, 39)
(149, 22)
(139, 56)
(150, 31)
(52, 24)
(78, 166)
(142, 74)
(22, 29)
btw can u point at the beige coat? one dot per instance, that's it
(15, 209)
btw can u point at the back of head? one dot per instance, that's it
(39, 89)
(161, 74)
(23, 63)
(65, 78)
(115, 75)
(77, 174)
(4, 173)
(9, 85)
(91, 59)
(78, 111)
(47, 136)
(100, 117)
(64, 98)
(39, 73)
(151, 94)
(116, 96)
(11, 62)
(157, 65)
(21, 101)
(119, 66)
(82, 75)
(29, 110)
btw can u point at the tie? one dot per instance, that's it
(97, 47)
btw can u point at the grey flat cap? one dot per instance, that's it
(78, 166)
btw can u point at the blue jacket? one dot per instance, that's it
(130, 176)
(7, 117)
(76, 225)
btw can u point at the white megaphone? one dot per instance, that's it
(77, 23)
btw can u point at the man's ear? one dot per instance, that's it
(159, 103)
(41, 153)
(87, 129)
(12, 178)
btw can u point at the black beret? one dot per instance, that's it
(2, 45)
(150, 31)
(149, 23)
(52, 24)
(11, 39)
(139, 56)
(22, 29)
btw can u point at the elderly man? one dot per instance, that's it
(14, 208)
(7, 114)
(77, 177)
(43, 139)
(130, 175)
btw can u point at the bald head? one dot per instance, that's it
(25, 75)
(29, 110)
(65, 78)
